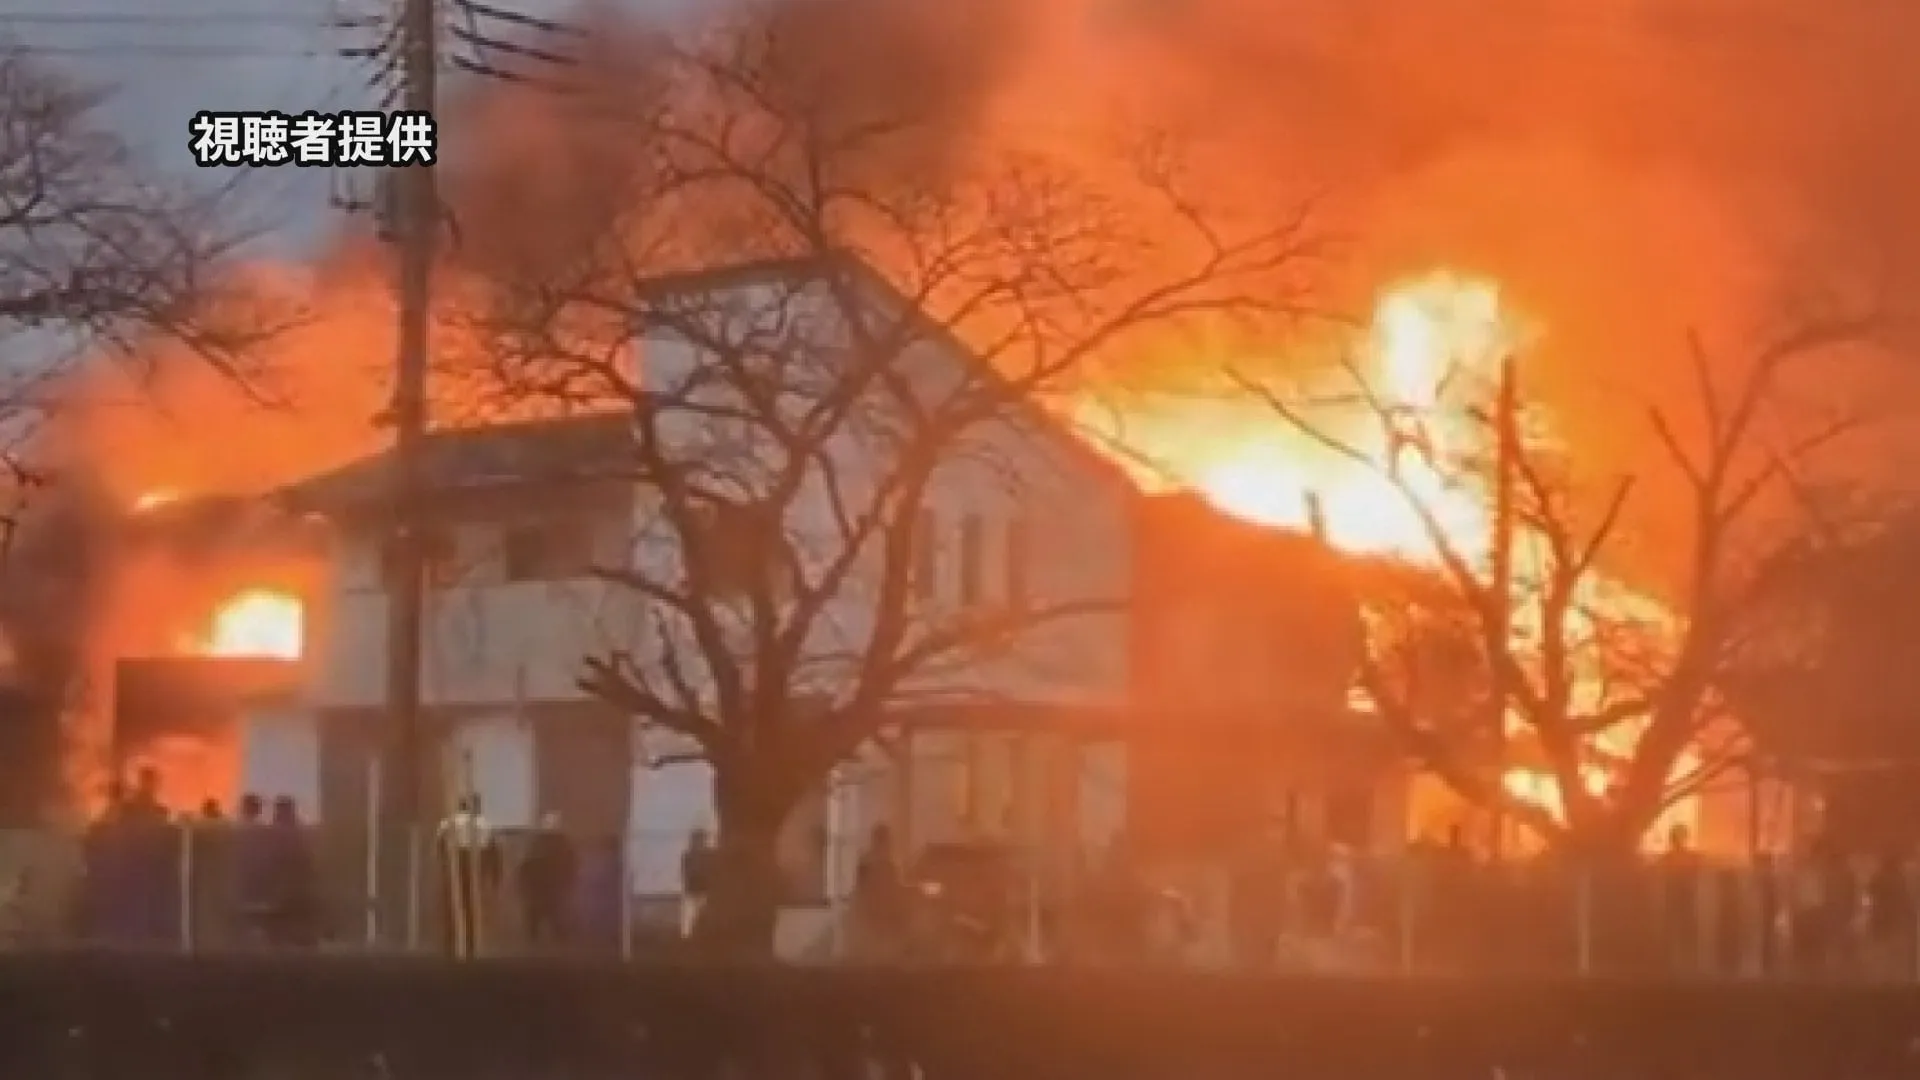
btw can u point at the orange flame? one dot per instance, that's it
(1428, 336)
(258, 623)
(1429, 359)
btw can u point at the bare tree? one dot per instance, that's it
(1825, 679)
(106, 266)
(1531, 651)
(101, 258)
(898, 323)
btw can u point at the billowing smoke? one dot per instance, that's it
(1629, 170)
(1626, 168)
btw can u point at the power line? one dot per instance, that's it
(20, 27)
(149, 18)
(183, 50)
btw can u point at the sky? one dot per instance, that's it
(167, 59)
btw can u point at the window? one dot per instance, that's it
(738, 544)
(973, 555)
(1019, 556)
(546, 551)
(439, 562)
(926, 557)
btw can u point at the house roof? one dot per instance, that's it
(823, 266)
(538, 452)
(598, 447)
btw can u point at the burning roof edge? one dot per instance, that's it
(201, 521)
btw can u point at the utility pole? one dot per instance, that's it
(1506, 445)
(416, 224)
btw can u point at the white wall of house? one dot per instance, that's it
(1017, 474)
(280, 755)
(493, 757)
(487, 640)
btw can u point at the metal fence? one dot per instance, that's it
(196, 888)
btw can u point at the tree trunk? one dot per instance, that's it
(745, 893)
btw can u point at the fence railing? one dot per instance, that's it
(206, 889)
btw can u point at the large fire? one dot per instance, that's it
(1430, 359)
(1428, 337)
(258, 623)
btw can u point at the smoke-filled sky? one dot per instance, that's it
(171, 58)
(1757, 93)
(1625, 168)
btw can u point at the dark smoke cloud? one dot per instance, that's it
(1696, 138)
(1628, 169)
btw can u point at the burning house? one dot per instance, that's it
(228, 584)
(1215, 708)
(525, 513)
(136, 633)
(1243, 647)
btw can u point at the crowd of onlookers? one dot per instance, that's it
(254, 879)
(1438, 907)
(147, 876)
(143, 871)
(1820, 910)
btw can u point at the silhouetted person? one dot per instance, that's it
(293, 918)
(211, 888)
(602, 879)
(1770, 911)
(143, 805)
(1260, 900)
(1321, 893)
(1891, 914)
(1122, 909)
(879, 895)
(1824, 900)
(153, 849)
(548, 875)
(470, 870)
(1679, 878)
(1453, 895)
(696, 879)
(111, 907)
(253, 869)
(1732, 921)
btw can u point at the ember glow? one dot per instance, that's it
(258, 623)
(153, 500)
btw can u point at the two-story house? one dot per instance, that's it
(524, 514)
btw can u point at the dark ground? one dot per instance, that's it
(154, 1017)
